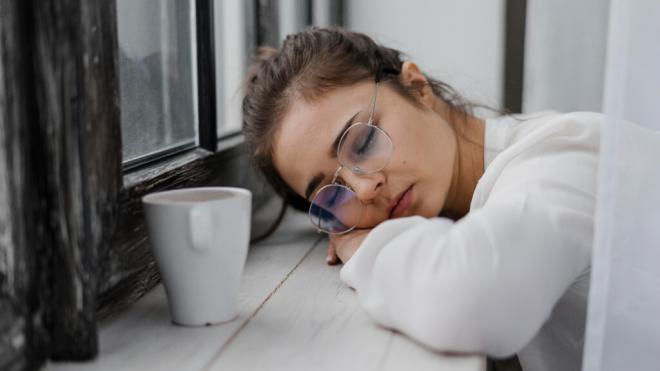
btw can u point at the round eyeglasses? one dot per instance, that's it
(364, 148)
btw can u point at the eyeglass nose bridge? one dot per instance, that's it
(355, 170)
(334, 177)
(364, 183)
(359, 171)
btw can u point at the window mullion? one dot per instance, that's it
(207, 113)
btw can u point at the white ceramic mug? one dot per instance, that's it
(200, 239)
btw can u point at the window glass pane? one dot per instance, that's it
(236, 31)
(230, 25)
(228, 18)
(293, 17)
(158, 76)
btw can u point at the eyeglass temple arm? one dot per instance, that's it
(373, 105)
(379, 76)
(334, 178)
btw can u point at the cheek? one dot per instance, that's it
(410, 152)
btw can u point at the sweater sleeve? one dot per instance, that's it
(486, 283)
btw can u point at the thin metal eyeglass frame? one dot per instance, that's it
(370, 122)
(354, 169)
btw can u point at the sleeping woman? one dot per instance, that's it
(465, 234)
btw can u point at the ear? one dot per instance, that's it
(413, 77)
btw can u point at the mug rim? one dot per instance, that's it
(152, 198)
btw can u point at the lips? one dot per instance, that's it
(401, 203)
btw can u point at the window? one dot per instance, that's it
(157, 76)
(210, 43)
(240, 26)
(231, 51)
(74, 164)
(164, 55)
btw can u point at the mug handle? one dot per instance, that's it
(200, 225)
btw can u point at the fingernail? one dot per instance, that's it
(328, 259)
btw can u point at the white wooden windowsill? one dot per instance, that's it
(295, 314)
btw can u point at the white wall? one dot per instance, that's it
(565, 55)
(460, 42)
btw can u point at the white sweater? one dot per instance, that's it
(489, 282)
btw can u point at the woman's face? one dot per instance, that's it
(418, 175)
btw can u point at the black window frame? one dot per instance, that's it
(216, 161)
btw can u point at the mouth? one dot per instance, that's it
(401, 203)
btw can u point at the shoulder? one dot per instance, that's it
(542, 150)
(530, 129)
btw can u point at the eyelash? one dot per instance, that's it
(339, 181)
(375, 122)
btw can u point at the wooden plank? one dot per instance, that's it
(143, 338)
(74, 49)
(22, 329)
(13, 308)
(315, 322)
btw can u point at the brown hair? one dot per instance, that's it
(309, 64)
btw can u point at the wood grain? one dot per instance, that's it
(73, 246)
(143, 338)
(22, 229)
(315, 322)
(128, 270)
(76, 83)
(295, 314)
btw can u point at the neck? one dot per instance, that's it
(468, 167)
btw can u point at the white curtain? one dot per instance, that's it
(623, 325)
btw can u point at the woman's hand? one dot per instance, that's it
(343, 246)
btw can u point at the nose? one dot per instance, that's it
(366, 186)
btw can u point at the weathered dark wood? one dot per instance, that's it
(130, 270)
(22, 334)
(13, 311)
(76, 80)
(73, 244)
(23, 337)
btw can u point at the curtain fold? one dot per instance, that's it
(623, 323)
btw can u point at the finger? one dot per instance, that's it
(331, 255)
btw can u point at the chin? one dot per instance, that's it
(429, 212)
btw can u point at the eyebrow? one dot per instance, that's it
(316, 179)
(313, 183)
(335, 144)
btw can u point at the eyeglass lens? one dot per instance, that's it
(364, 148)
(335, 209)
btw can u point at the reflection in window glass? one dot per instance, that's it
(158, 77)
(235, 39)
(293, 16)
(230, 17)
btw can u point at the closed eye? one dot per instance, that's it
(368, 141)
